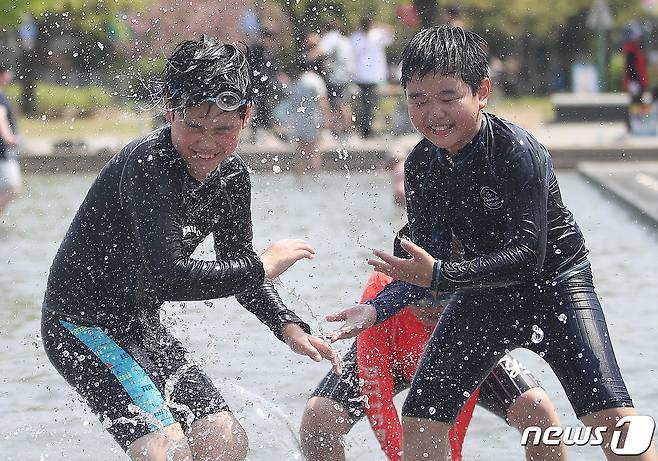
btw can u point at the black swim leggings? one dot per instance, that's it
(562, 322)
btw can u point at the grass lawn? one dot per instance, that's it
(117, 123)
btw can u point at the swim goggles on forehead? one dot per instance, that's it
(228, 101)
(430, 300)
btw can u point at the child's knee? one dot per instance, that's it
(324, 421)
(532, 408)
(219, 436)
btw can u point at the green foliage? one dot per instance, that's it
(309, 14)
(142, 73)
(58, 100)
(93, 13)
(615, 75)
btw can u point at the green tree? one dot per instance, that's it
(91, 23)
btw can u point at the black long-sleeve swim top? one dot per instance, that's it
(129, 246)
(501, 199)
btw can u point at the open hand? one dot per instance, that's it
(279, 256)
(418, 270)
(357, 319)
(312, 346)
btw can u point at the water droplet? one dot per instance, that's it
(580, 355)
(467, 394)
(276, 169)
(562, 318)
(537, 334)
(431, 410)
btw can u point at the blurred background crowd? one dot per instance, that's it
(322, 69)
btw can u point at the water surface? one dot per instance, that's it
(267, 385)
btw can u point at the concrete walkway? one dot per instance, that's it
(569, 144)
(635, 185)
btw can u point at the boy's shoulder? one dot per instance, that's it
(419, 155)
(150, 154)
(512, 145)
(510, 136)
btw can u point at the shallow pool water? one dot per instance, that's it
(344, 216)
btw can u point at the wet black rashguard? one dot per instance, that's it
(500, 198)
(128, 248)
(524, 281)
(127, 251)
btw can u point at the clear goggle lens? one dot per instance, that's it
(228, 101)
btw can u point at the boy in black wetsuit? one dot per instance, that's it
(525, 281)
(128, 250)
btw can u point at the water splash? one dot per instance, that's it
(269, 428)
(170, 384)
(537, 334)
(305, 304)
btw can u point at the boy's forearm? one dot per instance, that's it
(266, 304)
(394, 297)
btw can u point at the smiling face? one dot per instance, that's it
(205, 136)
(444, 109)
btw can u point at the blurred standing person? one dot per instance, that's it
(636, 79)
(635, 74)
(265, 77)
(10, 173)
(308, 108)
(338, 65)
(369, 44)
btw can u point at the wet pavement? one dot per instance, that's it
(634, 184)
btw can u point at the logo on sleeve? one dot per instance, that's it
(490, 198)
(191, 233)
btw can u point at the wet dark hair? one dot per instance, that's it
(446, 50)
(201, 69)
